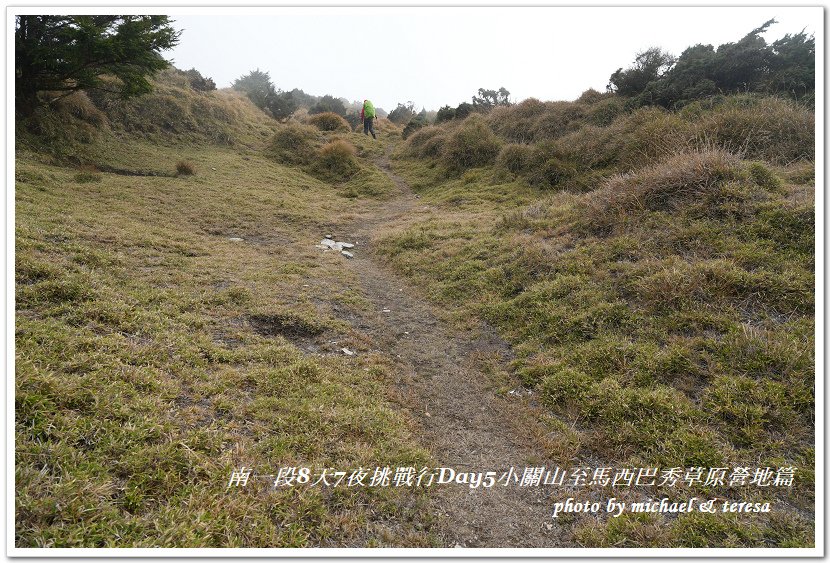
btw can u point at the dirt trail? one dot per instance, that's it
(464, 423)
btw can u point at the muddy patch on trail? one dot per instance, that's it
(307, 336)
(280, 324)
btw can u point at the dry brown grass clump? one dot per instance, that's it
(329, 121)
(681, 178)
(336, 160)
(80, 106)
(185, 168)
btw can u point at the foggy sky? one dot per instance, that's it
(441, 56)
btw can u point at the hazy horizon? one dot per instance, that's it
(442, 56)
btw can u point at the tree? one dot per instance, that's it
(303, 99)
(353, 118)
(199, 82)
(649, 65)
(403, 113)
(463, 110)
(793, 65)
(281, 105)
(257, 86)
(260, 90)
(415, 123)
(748, 65)
(70, 53)
(446, 113)
(329, 104)
(742, 66)
(488, 99)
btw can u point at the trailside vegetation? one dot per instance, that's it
(785, 67)
(66, 54)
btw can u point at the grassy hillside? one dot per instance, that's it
(155, 355)
(654, 273)
(147, 134)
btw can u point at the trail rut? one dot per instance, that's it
(461, 419)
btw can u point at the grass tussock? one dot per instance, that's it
(673, 182)
(337, 160)
(515, 157)
(185, 168)
(293, 144)
(329, 121)
(471, 144)
(771, 129)
(578, 143)
(427, 142)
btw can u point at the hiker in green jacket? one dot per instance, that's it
(367, 114)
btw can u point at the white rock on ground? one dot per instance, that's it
(330, 244)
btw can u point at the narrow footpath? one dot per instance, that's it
(453, 403)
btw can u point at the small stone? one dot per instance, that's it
(347, 352)
(346, 244)
(212, 168)
(328, 236)
(235, 239)
(347, 254)
(386, 311)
